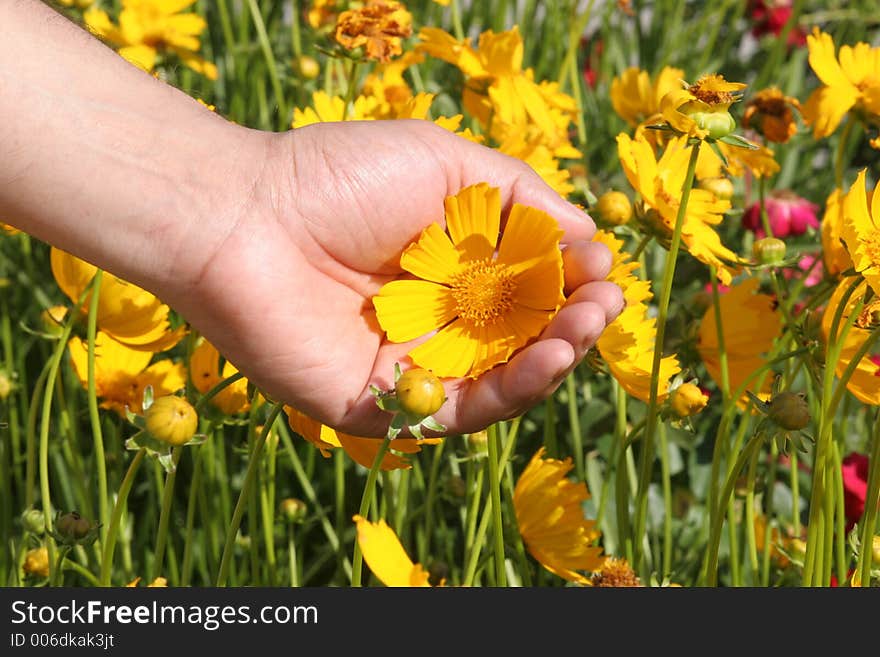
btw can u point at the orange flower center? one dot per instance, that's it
(483, 292)
(870, 315)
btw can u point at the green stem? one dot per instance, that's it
(667, 502)
(113, 529)
(208, 396)
(433, 479)
(647, 451)
(291, 554)
(352, 87)
(710, 571)
(244, 496)
(456, 21)
(495, 496)
(840, 152)
(357, 559)
(574, 421)
(94, 416)
(165, 513)
(266, 47)
(869, 515)
(195, 485)
(751, 542)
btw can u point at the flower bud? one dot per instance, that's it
(293, 510)
(720, 186)
(172, 420)
(478, 443)
(307, 67)
(36, 562)
(875, 551)
(6, 384)
(687, 399)
(790, 410)
(614, 208)
(719, 124)
(72, 527)
(33, 521)
(52, 319)
(419, 393)
(769, 251)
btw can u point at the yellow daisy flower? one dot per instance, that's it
(551, 519)
(751, 324)
(36, 562)
(540, 158)
(484, 304)
(149, 27)
(701, 110)
(386, 557)
(636, 99)
(204, 372)
(834, 254)
(122, 374)
(660, 183)
(861, 230)
(864, 383)
(499, 92)
(387, 85)
(627, 344)
(126, 313)
(379, 27)
(853, 83)
(361, 450)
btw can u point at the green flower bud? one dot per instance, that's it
(790, 410)
(293, 510)
(769, 250)
(721, 187)
(33, 521)
(719, 124)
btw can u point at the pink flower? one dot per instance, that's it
(855, 487)
(770, 17)
(808, 263)
(789, 214)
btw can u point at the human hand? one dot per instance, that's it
(285, 290)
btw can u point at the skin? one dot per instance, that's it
(270, 244)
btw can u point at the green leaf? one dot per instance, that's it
(740, 142)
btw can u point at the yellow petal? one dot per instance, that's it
(450, 353)
(473, 219)
(385, 555)
(408, 309)
(433, 257)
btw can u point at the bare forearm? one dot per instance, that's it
(103, 160)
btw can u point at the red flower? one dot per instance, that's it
(770, 17)
(855, 487)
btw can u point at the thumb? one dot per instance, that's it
(467, 163)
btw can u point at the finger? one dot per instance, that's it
(584, 262)
(608, 296)
(467, 163)
(510, 390)
(579, 324)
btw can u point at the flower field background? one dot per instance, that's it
(724, 431)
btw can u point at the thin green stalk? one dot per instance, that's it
(768, 516)
(456, 20)
(45, 419)
(291, 556)
(433, 479)
(357, 559)
(762, 200)
(309, 491)
(667, 502)
(165, 513)
(710, 570)
(869, 515)
(295, 30)
(266, 47)
(795, 485)
(841, 558)
(195, 485)
(751, 542)
(647, 452)
(244, 495)
(31, 438)
(574, 422)
(85, 573)
(352, 87)
(550, 441)
(113, 529)
(841, 151)
(94, 416)
(495, 496)
(721, 436)
(220, 386)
